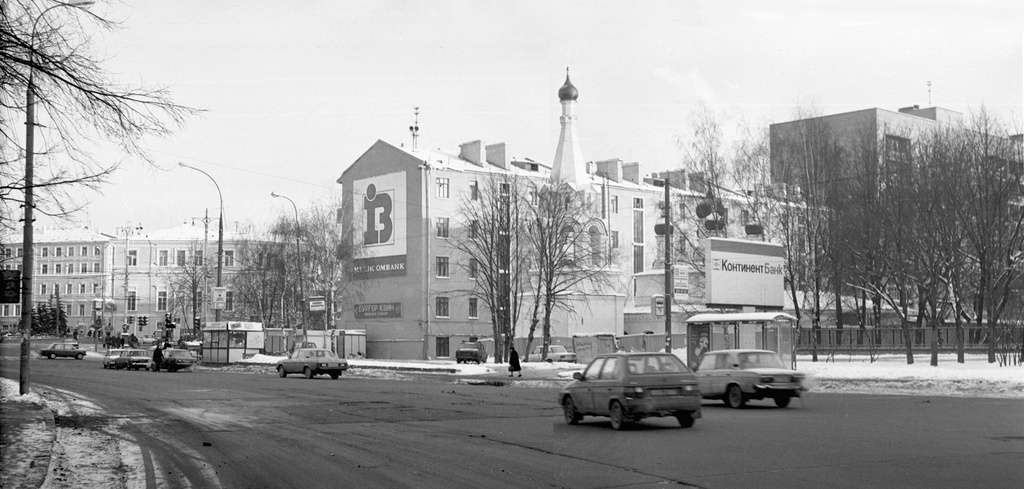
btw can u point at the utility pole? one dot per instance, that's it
(669, 286)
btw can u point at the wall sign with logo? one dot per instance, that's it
(382, 310)
(744, 273)
(379, 226)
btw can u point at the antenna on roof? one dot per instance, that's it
(415, 129)
(929, 93)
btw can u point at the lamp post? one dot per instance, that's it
(220, 233)
(298, 254)
(28, 255)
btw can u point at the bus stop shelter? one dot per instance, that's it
(774, 331)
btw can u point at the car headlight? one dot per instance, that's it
(689, 388)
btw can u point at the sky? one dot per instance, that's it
(295, 91)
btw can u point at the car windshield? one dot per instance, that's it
(177, 354)
(556, 349)
(655, 364)
(760, 360)
(138, 353)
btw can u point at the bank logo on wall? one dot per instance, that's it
(380, 230)
(744, 273)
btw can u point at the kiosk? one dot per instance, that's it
(772, 331)
(231, 341)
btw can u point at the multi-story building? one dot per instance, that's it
(128, 281)
(413, 288)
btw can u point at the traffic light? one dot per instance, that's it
(131, 319)
(143, 320)
(167, 319)
(198, 322)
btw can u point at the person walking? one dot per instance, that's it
(513, 362)
(158, 357)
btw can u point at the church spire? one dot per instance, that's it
(568, 164)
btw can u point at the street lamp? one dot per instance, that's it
(298, 254)
(28, 254)
(220, 233)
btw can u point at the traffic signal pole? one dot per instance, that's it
(668, 268)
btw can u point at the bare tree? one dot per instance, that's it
(187, 282)
(77, 103)
(259, 286)
(327, 247)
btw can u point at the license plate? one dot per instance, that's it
(665, 392)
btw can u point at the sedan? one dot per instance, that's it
(69, 350)
(312, 361)
(133, 359)
(112, 355)
(556, 353)
(174, 359)
(628, 387)
(736, 376)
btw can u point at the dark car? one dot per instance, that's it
(736, 376)
(174, 359)
(628, 387)
(112, 355)
(471, 351)
(133, 359)
(312, 361)
(68, 350)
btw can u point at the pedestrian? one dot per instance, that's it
(158, 357)
(513, 362)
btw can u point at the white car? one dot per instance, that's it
(736, 376)
(556, 353)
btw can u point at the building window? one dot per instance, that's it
(441, 267)
(441, 307)
(131, 300)
(473, 226)
(84, 267)
(442, 227)
(70, 269)
(473, 314)
(71, 251)
(180, 258)
(95, 288)
(46, 251)
(897, 148)
(638, 220)
(57, 269)
(229, 258)
(96, 267)
(229, 300)
(133, 258)
(46, 269)
(58, 251)
(615, 239)
(161, 300)
(474, 194)
(534, 199)
(442, 347)
(96, 251)
(162, 258)
(638, 258)
(81, 288)
(69, 289)
(81, 309)
(595, 246)
(197, 258)
(84, 251)
(42, 289)
(473, 264)
(442, 188)
(615, 204)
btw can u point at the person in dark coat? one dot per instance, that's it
(513, 362)
(158, 357)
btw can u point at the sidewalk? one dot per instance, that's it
(26, 441)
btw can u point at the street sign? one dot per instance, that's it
(220, 297)
(317, 304)
(681, 281)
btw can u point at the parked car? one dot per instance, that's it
(133, 359)
(174, 359)
(147, 340)
(556, 353)
(111, 356)
(69, 350)
(736, 376)
(471, 351)
(312, 361)
(628, 387)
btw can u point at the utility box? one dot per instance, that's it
(350, 343)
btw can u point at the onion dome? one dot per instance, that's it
(568, 92)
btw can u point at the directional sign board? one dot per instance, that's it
(220, 297)
(317, 304)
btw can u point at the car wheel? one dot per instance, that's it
(80, 356)
(569, 408)
(280, 371)
(549, 360)
(308, 372)
(685, 419)
(52, 356)
(618, 419)
(782, 401)
(335, 375)
(734, 397)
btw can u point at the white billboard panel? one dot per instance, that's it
(744, 273)
(379, 225)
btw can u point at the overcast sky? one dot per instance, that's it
(295, 91)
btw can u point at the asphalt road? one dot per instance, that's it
(215, 429)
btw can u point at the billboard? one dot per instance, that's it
(379, 225)
(744, 273)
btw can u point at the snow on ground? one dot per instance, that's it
(77, 460)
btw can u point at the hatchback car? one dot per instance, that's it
(67, 350)
(173, 359)
(133, 359)
(628, 387)
(736, 376)
(556, 353)
(312, 361)
(112, 355)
